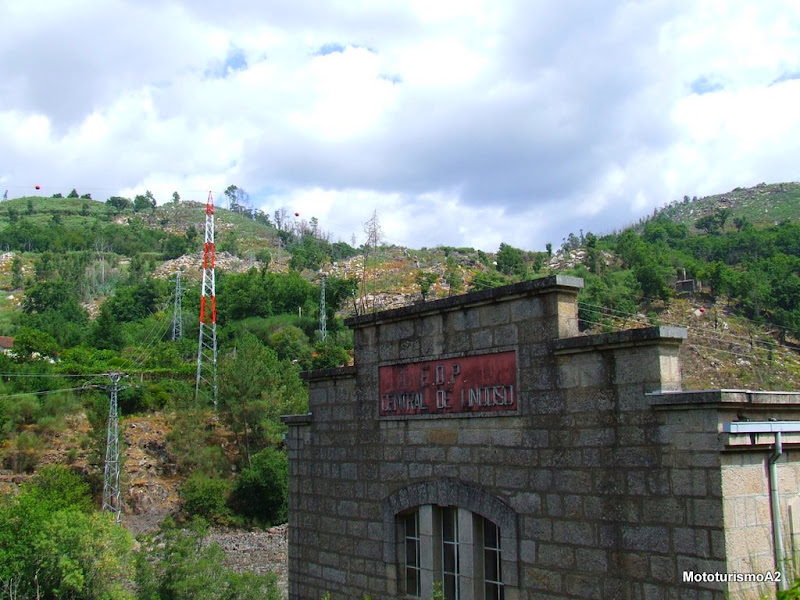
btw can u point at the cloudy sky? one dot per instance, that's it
(461, 122)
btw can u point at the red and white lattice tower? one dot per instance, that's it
(206, 383)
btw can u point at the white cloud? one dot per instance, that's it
(463, 123)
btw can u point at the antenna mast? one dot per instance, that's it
(177, 316)
(206, 381)
(111, 491)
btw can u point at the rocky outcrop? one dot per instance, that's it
(257, 551)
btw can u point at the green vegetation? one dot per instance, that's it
(177, 565)
(52, 544)
(85, 294)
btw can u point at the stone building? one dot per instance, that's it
(481, 444)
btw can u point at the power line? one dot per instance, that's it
(51, 375)
(46, 392)
(696, 332)
(743, 318)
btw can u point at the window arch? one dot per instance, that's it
(450, 531)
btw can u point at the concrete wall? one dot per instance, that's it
(600, 488)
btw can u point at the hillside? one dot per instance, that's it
(87, 288)
(765, 204)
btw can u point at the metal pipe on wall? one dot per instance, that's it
(775, 502)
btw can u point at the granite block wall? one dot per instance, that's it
(604, 479)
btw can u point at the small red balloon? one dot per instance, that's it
(38, 187)
(297, 214)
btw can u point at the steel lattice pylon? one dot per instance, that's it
(206, 381)
(177, 316)
(323, 317)
(111, 491)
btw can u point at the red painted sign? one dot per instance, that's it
(467, 384)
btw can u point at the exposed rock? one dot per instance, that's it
(258, 551)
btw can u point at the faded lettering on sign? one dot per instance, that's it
(468, 384)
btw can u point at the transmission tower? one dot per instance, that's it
(177, 317)
(206, 381)
(111, 490)
(323, 318)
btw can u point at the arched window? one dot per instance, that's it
(452, 532)
(460, 549)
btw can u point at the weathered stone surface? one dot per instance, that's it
(604, 480)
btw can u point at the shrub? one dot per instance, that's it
(206, 497)
(26, 451)
(260, 491)
(178, 565)
(328, 354)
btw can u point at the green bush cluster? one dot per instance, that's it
(53, 545)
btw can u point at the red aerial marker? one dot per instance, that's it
(38, 187)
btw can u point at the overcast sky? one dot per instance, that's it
(462, 122)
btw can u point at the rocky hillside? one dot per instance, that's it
(764, 204)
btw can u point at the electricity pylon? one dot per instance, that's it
(206, 380)
(323, 317)
(111, 490)
(177, 316)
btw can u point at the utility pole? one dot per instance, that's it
(177, 317)
(323, 317)
(111, 491)
(206, 380)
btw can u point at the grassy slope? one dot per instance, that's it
(763, 205)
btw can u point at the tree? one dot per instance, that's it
(206, 496)
(255, 390)
(741, 223)
(176, 197)
(73, 194)
(453, 276)
(191, 235)
(238, 199)
(30, 343)
(119, 203)
(713, 223)
(146, 202)
(16, 272)
(81, 555)
(230, 194)
(50, 540)
(260, 491)
(374, 236)
(53, 306)
(511, 261)
(106, 332)
(141, 203)
(290, 343)
(328, 354)
(484, 280)
(592, 253)
(243, 377)
(425, 281)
